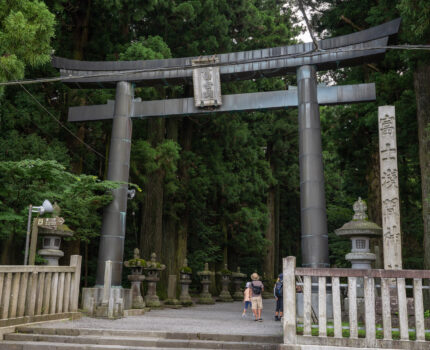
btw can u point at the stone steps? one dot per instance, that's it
(38, 338)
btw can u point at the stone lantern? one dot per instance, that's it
(225, 283)
(52, 230)
(136, 278)
(238, 278)
(205, 277)
(185, 281)
(152, 270)
(360, 230)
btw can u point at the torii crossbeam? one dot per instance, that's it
(364, 46)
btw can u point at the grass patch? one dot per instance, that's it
(361, 332)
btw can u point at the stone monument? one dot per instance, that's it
(392, 239)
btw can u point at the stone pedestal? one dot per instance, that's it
(205, 296)
(92, 302)
(205, 276)
(152, 270)
(238, 278)
(136, 279)
(185, 281)
(225, 293)
(151, 297)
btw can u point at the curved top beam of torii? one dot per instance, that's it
(340, 51)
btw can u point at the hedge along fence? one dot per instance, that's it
(36, 293)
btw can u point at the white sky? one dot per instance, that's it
(305, 36)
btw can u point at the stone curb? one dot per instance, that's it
(153, 334)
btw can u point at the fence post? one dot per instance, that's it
(289, 271)
(75, 261)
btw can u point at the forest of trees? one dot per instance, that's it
(220, 188)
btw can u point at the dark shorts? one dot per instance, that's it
(280, 304)
(247, 304)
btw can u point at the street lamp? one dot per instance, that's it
(46, 207)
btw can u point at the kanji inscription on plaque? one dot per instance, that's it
(207, 83)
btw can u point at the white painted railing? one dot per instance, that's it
(327, 284)
(27, 292)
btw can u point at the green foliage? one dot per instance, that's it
(146, 49)
(31, 181)
(225, 272)
(416, 18)
(186, 269)
(162, 158)
(26, 29)
(136, 263)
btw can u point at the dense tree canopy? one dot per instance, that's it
(218, 189)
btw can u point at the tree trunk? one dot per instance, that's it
(374, 204)
(422, 95)
(151, 232)
(80, 33)
(7, 253)
(269, 258)
(277, 227)
(186, 137)
(374, 189)
(170, 221)
(78, 164)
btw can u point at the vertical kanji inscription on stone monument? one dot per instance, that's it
(389, 188)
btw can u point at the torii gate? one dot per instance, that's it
(302, 59)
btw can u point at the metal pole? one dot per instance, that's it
(312, 195)
(113, 226)
(27, 238)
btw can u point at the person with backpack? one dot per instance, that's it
(257, 289)
(278, 292)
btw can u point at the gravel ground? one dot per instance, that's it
(221, 318)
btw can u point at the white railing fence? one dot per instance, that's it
(388, 287)
(27, 293)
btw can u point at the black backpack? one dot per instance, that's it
(256, 290)
(279, 289)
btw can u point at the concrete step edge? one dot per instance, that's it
(154, 334)
(16, 345)
(136, 342)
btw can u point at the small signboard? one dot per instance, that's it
(50, 222)
(207, 83)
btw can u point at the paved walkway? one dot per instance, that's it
(221, 318)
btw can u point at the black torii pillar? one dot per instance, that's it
(114, 216)
(313, 214)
